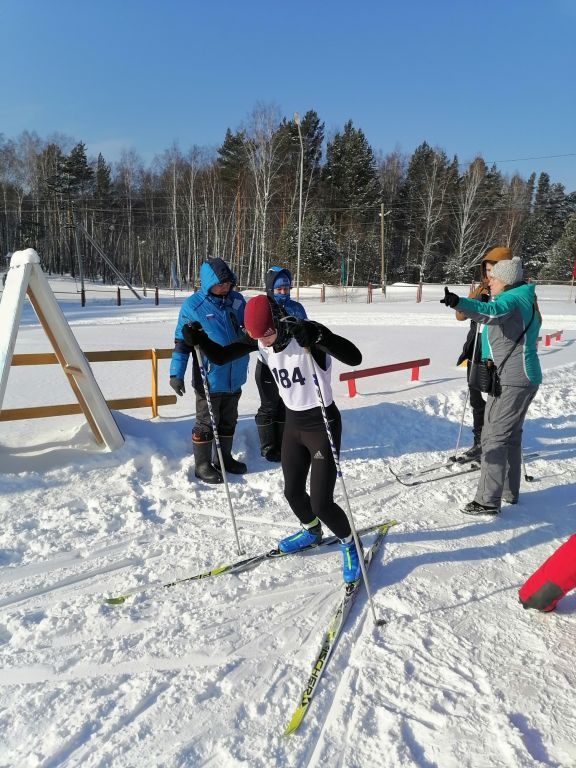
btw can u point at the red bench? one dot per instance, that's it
(549, 336)
(351, 376)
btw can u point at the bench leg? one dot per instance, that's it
(352, 387)
(547, 341)
(415, 374)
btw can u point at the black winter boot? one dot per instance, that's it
(204, 469)
(269, 447)
(474, 453)
(230, 463)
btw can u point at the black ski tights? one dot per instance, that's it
(300, 450)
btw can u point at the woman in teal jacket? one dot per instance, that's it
(509, 337)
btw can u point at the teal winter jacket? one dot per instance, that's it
(504, 319)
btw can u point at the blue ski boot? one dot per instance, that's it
(308, 536)
(350, 561)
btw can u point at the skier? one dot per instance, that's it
(472, 347)
(284, 345)
(220, 310)
(509, 341)
(270, 416)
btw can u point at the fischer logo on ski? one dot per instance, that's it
(332, 634)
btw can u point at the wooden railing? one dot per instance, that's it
(49, 358)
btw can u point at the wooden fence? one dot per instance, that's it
(49, 358)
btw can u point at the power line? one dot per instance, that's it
(536, 157)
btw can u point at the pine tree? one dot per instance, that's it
(103, 182)
(350, 178)
(561, 257)
(77, 173)
(546, 224)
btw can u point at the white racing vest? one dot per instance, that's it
(292, 371)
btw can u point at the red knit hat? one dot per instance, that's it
(258, 317)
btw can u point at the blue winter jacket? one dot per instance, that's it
(293, 308)
(505, 317)
(221, 317)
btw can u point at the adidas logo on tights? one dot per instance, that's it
(318, 455)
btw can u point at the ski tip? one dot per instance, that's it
(116, 600)
(294, 723)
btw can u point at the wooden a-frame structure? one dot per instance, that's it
(25, 277)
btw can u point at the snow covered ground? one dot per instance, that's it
(208, 673)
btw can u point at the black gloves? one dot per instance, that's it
(306, 332)
(177, 385)
(193, 334)
(450, 299)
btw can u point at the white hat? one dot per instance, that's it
(509, 271)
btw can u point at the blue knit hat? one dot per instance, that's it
(282, 281)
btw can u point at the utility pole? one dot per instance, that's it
(297, 121)
(383, 261)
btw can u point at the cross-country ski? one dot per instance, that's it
(332, 634)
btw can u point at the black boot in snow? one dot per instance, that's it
(474, 453)
(204, 469)
(269, 447)
(230, 463)
(474, 508)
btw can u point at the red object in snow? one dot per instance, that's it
(552, 580)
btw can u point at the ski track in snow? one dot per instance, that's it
(208, 673)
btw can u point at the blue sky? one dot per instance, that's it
(495, 77)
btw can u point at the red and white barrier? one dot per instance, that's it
(351, 376)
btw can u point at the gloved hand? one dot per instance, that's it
(306, 332)
(193, 334)
(177, 385)
(450, 299)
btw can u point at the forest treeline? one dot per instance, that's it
(420, 217)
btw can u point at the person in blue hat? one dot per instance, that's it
(271, 414)
(220, 311)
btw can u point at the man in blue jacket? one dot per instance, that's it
(220, 312)
(271, 415)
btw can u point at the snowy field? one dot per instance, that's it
(208, 673)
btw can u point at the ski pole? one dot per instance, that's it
(527, 477)
(217, 440)
(467, 390)
(461, 424)
(377, 622)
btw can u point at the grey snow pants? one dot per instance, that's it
(502, 445)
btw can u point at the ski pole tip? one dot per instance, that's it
(115, 600)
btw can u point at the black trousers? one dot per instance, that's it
(225, 409)
(478, 405)
(309, 451)
(271, 408)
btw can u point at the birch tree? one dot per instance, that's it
(472, 230)
(263, 151)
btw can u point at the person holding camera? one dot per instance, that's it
(510, 374)
(471, 349)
